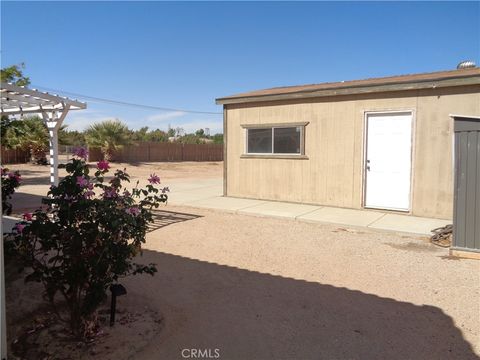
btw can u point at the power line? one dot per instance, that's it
(124, 103)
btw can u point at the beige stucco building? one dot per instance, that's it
(383, 143)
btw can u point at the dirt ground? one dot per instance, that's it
(246, 287)
(39, 174)
(36, 178)
(34, 332)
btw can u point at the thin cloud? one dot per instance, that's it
(82, 119)
(165, 116)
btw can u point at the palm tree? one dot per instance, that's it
(29, 134)
(36, 139)
(109, 136)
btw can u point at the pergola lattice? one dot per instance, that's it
(19, 100)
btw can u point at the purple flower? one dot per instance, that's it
(88, 194)
(154, 179)
(12, 175)
(126, 193)
(103, 165)
(110, 193)
(27, 216)
(82, 181)
(165, 189)
(19, 228)
(81, 152)
(133, 211)
(69, 198)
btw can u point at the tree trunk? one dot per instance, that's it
(108, 155)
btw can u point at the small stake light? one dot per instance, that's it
(117, 290)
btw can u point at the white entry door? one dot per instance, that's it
(388, 161)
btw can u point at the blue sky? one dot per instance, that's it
(184, 55)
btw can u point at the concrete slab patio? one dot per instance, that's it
(225, 203)
(187, 192)
(201, 186)
(415, 224)
(343, 216)
(208, 194)
(279, 209)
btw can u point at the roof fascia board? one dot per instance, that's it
(417, 85)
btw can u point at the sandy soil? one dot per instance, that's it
(36, 178)
(36, 333)
(39, 174)
(262, 288)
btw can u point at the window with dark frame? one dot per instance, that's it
(275, 140)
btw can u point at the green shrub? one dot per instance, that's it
(10, 181)
(87, 237)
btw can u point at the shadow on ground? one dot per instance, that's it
(162, 218)
(23, 202)
(35, 177)
(251, 315)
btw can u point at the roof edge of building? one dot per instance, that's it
(351, 88)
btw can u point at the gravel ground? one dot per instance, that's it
(261, 288)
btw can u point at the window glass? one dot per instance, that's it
(286, 140)
(259, 141)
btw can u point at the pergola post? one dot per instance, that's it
(3, 320)
(53, 124)
(19, 100)
(53, 142)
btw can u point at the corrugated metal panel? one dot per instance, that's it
(467, 184)
(477, 213)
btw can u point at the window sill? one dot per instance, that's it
(274, 156)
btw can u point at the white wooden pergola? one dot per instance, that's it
(19, 101)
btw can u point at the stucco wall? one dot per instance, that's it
(334, 143)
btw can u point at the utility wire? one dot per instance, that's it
(124, 103)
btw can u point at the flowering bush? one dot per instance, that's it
(87, 237)
(10, 181)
